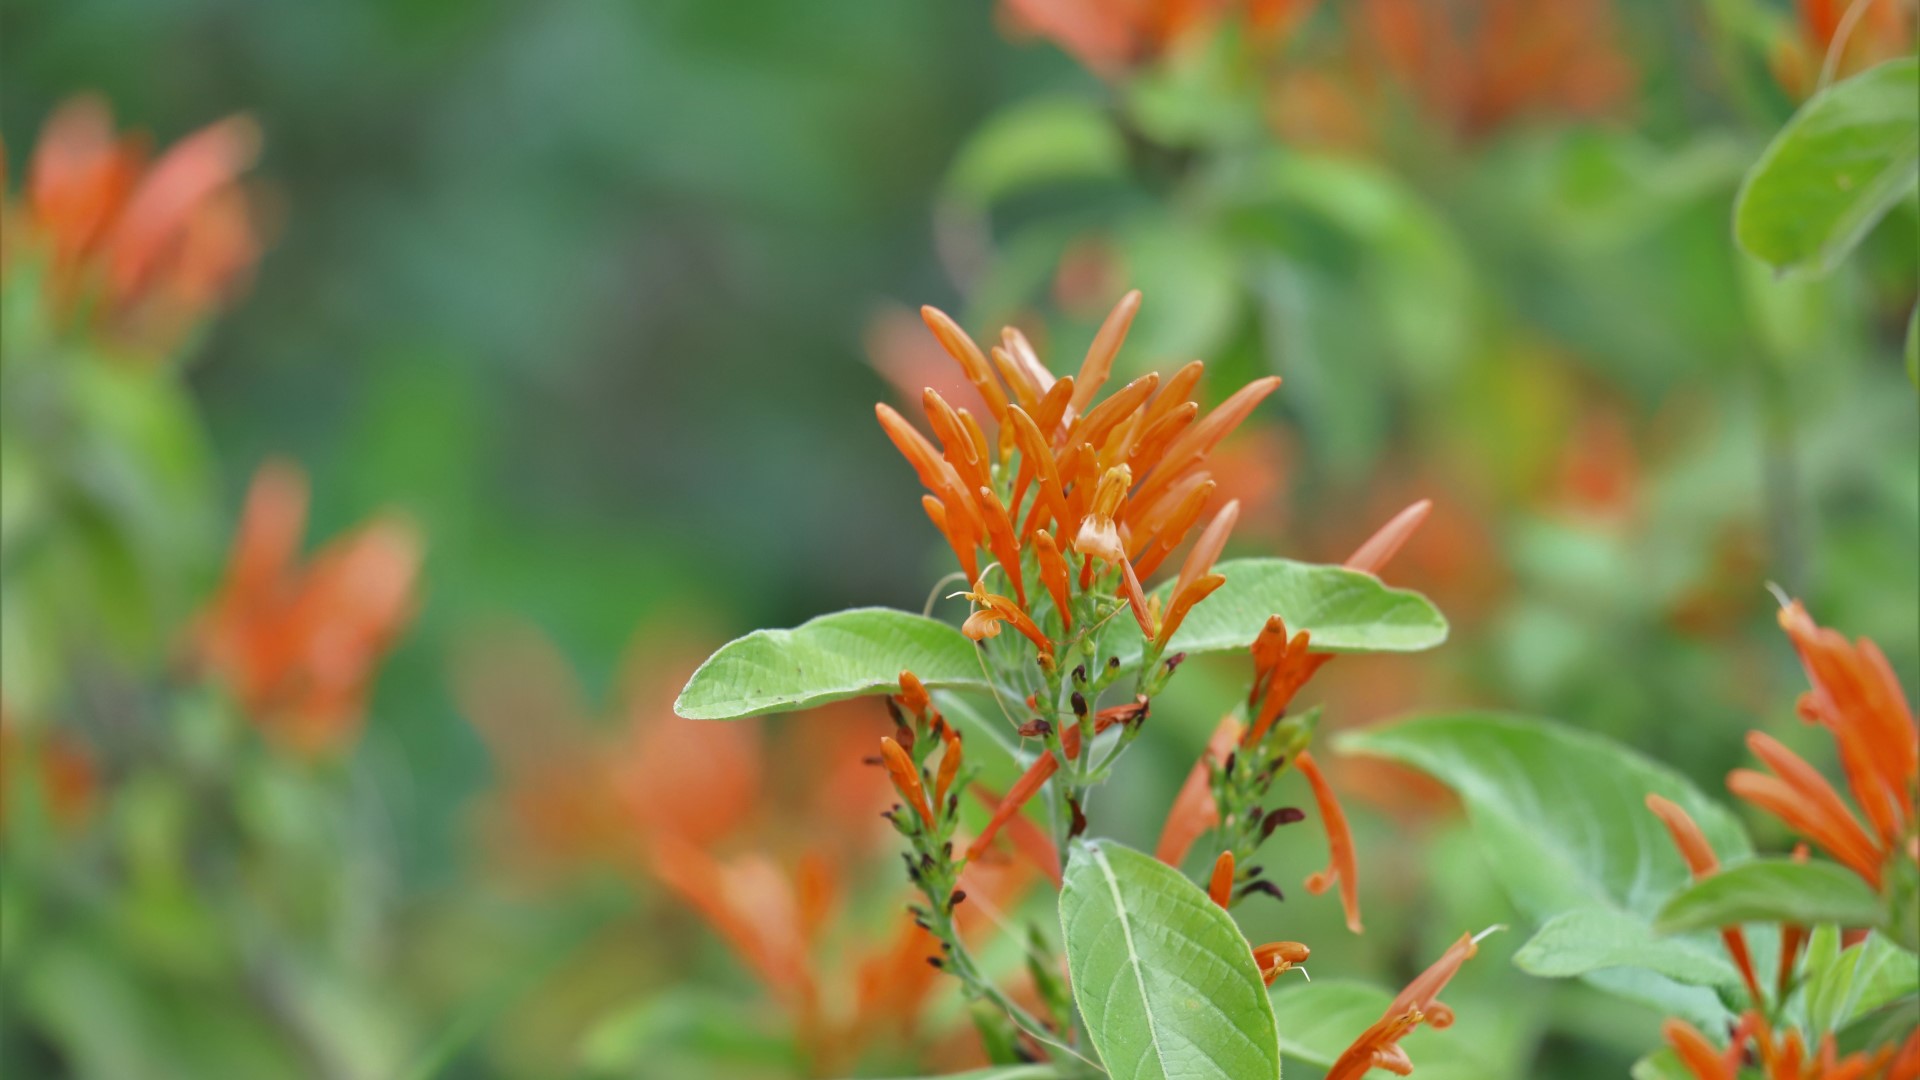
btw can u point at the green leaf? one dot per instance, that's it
(834, 657)
(1038, 142)
(1561, 816)
(1773, 890)
(1843, 161)
(1841, 988)
(1164, 979)
(1562, 813)
(1579, 942)
(1344, 610)
(1322, 1018)
(1661, 1065)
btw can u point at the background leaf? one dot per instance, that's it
(1578, 942)
(1165, 982)
(1038, 142)
(1839, 165)
(1561, 815)
(1773, 890)
(831, 658)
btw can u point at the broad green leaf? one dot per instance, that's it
(1773, 890)
(1579, 942)
(1562, 812)
(1164, 979)
(1843, 161)
(1841, 988)
(1320, 1019)
(831, 658)
(1038, 142)
(1561, 815)
(1344, 610)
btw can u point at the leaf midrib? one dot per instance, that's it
(1133, 955)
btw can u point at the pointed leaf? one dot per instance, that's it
(1562, 819)
(1844, 985)
(1843, 161)
(1343, 610)
(834, 657)
(1773, 890)
(1592, 939)
(1164, 979)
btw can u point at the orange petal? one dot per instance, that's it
(1220, 886)
(1340, 865)
(1381, 547)
(1106, 345)
(1193, 811)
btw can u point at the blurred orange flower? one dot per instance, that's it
(1110, 36)
(1837, 38)
(139, 250)
(56, 768)
(299, 645)
(1479, 65)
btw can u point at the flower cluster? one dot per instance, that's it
(1856, 698)
(1073, 501)
(140, 250)
(1782, 1054)
(298, 645)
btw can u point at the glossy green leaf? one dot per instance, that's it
(1034, 143)
(1320, 1019)
(1843, 985)
(1164, 980)
(1843, 161)
(834, 657)
(1344, 610)
(1773, 890)
(1577, 943)
(1562, 819)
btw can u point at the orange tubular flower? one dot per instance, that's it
(1220, 886)
(298, 646)
(1856, 697)
(1702, 862)
(1109, 38)
(995, 609)
(1341, 866)
(906, 778)
(1379, 1045)
(156, 245)
(1197, 580)
(1801, 797)
(1276, 957)
(1784, 1055)
(1193, 810)
(1698, 1055)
